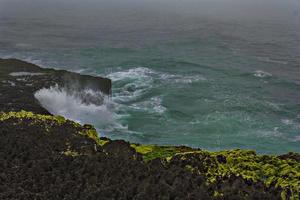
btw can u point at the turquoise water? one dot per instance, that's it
(181, 75)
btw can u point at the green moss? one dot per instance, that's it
(22, 115)
(150, 152)
(283, 174)
(190, 168)
(48, 120)
(217, 194)
(142, 149)
(91, 132)
(271, 170)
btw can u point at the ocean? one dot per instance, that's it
(212, 74)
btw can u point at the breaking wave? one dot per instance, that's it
(86, 106)
(131, 92)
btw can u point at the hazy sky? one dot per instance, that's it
(29, 19)
(216, 8)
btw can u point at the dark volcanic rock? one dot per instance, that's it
(54, 164)
(46, 157)
(290, 155)
(19, 81)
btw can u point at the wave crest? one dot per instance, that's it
(262, 74)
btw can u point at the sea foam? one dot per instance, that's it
(25, 74)
(133, 88)
(262, 74)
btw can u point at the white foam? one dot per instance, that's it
(190, 79)
(132, 88)
(131, 84)
(59, 101)
(134, 73)
(291, 122)
(156, 104)
(25, 74)
(22, 79)
(182, 78)
(13, 84)
(153, 105)
(287, 121)
(131, 91)
(145, 74)
(262, 74)
(270, 134)
(267, 59)
(296, 138)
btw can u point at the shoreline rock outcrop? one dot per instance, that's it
(50, 157)
(20, 80)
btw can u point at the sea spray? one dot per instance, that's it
(83, 106)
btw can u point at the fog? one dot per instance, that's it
(47, 23)
(219, 9)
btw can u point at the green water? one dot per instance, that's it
(214, 82)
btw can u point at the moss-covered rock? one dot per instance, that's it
(50, 157)
(151, 152)
(280, 172)
(35, 118)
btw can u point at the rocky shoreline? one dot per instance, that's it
(49, 157)
(20, 80)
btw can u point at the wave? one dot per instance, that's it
(132, 83)
(261, 74)
(134, 88)
(183, 79)
(290, 122)
(81, 106)
(153, 105)
(129, 85)
(269, 60)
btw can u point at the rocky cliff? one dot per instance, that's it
(20, 80)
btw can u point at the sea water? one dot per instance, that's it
(210, 74)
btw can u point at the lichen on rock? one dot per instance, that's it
(62, 148)
(23, 115)
(271, 170)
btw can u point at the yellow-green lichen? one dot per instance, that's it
(48, 120)
(23, 115)
(91, 132)
(217, 194)
(150, 152)
(69, 151)
(271, 170)
(281, 173)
